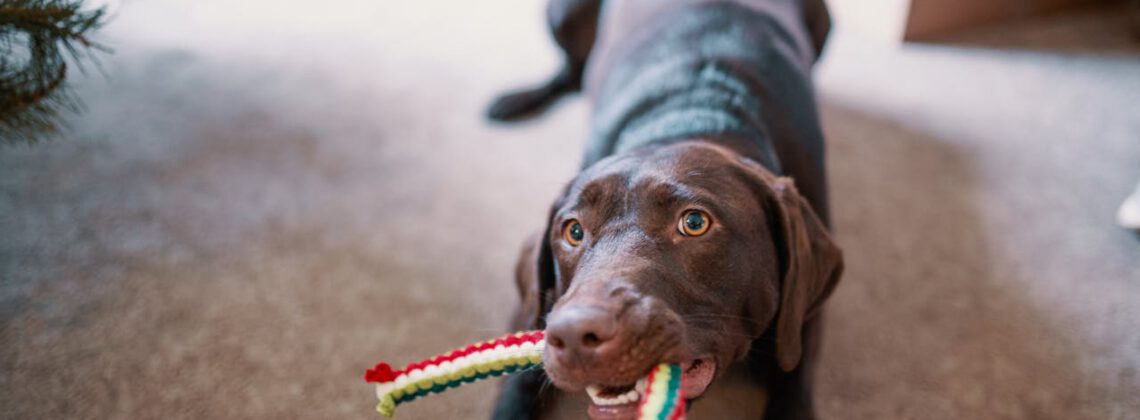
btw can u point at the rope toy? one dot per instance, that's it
(662, 399)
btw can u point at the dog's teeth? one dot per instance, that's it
(641, 385)
(596, 395)
(632, 395)
(594, 391)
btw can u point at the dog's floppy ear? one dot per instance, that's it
(811, 264)
(535, 279)
(818, 22)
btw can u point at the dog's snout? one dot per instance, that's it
(577, 332)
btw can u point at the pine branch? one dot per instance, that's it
(36, 38)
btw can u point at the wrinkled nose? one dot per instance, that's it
(577, 333)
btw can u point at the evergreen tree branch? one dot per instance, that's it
(36, 39)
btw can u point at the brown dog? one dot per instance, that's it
(697, 231)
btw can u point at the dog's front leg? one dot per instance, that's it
(524, 395)
(790, 393)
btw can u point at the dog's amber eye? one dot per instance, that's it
(572, 232)
(694, 223)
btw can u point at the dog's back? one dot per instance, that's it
(735, 70)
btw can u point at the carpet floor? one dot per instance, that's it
(264, 198)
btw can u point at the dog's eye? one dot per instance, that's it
(693, 223)
(572, 232)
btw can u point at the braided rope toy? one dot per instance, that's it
(662, 399)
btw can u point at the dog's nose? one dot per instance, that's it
(577, 332)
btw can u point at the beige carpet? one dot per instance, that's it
(264, 199)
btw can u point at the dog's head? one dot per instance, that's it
(682, 253)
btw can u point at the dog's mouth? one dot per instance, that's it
(621, 402)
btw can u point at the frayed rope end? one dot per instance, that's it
(386, 407)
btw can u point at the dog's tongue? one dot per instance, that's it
(698, 375)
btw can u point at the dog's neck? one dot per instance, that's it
(685, 100)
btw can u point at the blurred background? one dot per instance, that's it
(264, 198)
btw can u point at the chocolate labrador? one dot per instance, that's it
(697, 231)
